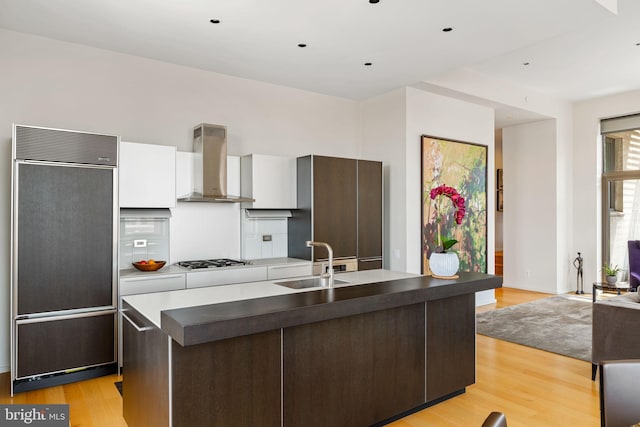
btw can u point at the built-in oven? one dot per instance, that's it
(340, 265)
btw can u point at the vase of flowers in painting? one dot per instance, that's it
(443, 261)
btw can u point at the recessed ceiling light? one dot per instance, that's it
(447, 29)
(638, 44)
(368, 64)
(374, 1)
(302, 45)
(526, 63)
(214, 21)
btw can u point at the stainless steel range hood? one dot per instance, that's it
(210, 166)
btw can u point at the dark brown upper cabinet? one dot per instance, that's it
(338, 200)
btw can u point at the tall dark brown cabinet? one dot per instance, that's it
(369, 215)
(64, 256)
(340, 203)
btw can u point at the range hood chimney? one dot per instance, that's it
(210, 166)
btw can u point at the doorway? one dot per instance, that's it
(499, 206)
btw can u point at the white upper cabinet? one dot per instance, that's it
(270, 180)
(147, 175)
(184, 173)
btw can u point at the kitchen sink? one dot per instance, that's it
(313, 282)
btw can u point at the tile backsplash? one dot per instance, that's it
(143, 238)
(264, 237)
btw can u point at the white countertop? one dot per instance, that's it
(151, 305)
(278, 261)
(174, 268)
(167, 269)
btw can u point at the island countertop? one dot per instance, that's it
(195, 316)
(256, 353)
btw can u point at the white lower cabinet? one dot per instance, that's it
(275, 272)
(148, 284)
(200, 279)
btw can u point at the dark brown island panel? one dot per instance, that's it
(353, 356)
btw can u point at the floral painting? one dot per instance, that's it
(463, 166)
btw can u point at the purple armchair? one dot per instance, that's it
(634, 263)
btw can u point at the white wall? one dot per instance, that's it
(410, 113)
(44, 82)
(383, 137)
(529, 217)
(440, 116)
(204, 230)
(587, 169)
(565, 273)
(5, 250)
(436, 115)
(50, 83)
(468, 84)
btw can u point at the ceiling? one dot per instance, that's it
(575, 49)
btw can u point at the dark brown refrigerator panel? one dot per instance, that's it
(65, 238)
(57, 345)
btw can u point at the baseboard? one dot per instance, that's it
(483, 303)
(419, 408)
(20, 386)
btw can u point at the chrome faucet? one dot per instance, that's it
(325, 277)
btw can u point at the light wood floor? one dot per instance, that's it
(532, 387)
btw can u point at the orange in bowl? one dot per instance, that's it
(150, 265)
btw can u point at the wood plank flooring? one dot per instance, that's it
(532, 387)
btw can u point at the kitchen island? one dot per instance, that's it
(251, 354)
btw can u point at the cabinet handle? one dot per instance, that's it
(281, 267)
(370, 259)
(138, 328)
(151, 277)
(73, 314)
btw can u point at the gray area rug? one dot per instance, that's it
(559, 324)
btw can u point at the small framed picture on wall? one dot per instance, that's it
(499, 201)
(499, 179)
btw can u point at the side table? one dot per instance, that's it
(603, 286)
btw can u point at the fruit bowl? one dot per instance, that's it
(157, 265)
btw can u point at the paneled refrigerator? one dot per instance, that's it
(64, 256)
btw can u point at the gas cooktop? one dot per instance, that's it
(212, 263)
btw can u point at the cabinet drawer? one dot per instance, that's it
(285, 271)
(201, 279)
(147, 284)
(369, 264)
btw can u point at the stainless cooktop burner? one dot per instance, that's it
(211, 263)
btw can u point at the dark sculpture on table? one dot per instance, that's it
(577, 263)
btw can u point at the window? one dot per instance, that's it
(620, 188)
